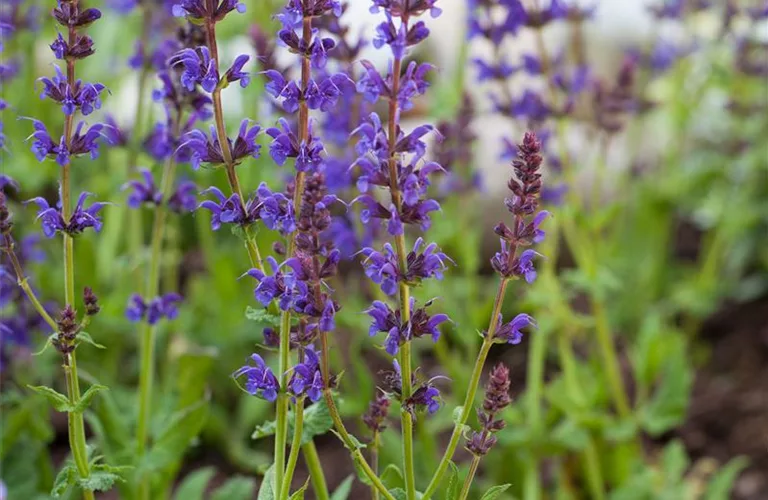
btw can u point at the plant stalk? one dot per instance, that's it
(298, 426)
(474, 383)
(470, 477)
(316, 474)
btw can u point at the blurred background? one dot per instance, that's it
(659, 194)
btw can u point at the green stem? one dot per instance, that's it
(610, 359)
(147, 331)
(298, 425)
(75, 423)
(374, 449)
(470, 477)
(23, 283)
(535, 381)
(469, 399)
(344, 435)
(316, 474)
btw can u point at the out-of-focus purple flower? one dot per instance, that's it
(82, 142)
(307, 378)
(81, 219)
(143, 191)
(260, 381)
(412, 83)
(164, 306)
(205, 10)
(184, 198)
(113, 133)
(510, 332)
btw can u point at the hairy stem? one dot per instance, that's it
(285, 488)
(75, 423)
(470, 477)
(474, 383)
(374, 449)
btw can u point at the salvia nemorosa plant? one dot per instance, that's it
(355, 272)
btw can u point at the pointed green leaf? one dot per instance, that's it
(317, 421)
(48, 343)
(237, 488)
(194, 485)
(85, 400)
(267, 489)
(172, 442)
(399, 494)
(495, 491)
(361, 475)
(64, 479)
(392, 477)
(59, 401)
(343, 490)
(452, 493)
(86, 337)
(299, 494)
(720, 485)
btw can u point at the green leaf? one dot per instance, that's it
(392, 477)
(456, 416)
(343, 490)
(452, 493)
(194, 485)
(237, 488)
(668, 406)
(86, 337)
(299, 494)
(720, 485)
(495, 491)
(58, 400)
(267, 489)
(674, 461)
(570, 435)
(48, 343)
(102, 477)
(171, 443)
(262, 316)
(64, 479)
(85, 399)
(355, 442)
(399, 494)
(361, 475)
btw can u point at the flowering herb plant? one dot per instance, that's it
(283, 269)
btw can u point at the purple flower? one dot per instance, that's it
(113, 133)
(323, 95)
(143, 191)
(226, 210)
(385, 320)
(276, 210)
(81, 143)
(205, 149)
(81, 219)
(236, 73)
(205, 10)
(307, 378)
(285, 144)
(260, 381)
(164, 306)
(82, 96)
(184, 198)
(284, 285)
(199, 68)
(80, 49)
(510, 332)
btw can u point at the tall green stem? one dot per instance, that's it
(470, 477)
(610, 359)
(75, 420)
(151, 290)
(535, 383)
(469, 399)
(285, 488)
(316, 474)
